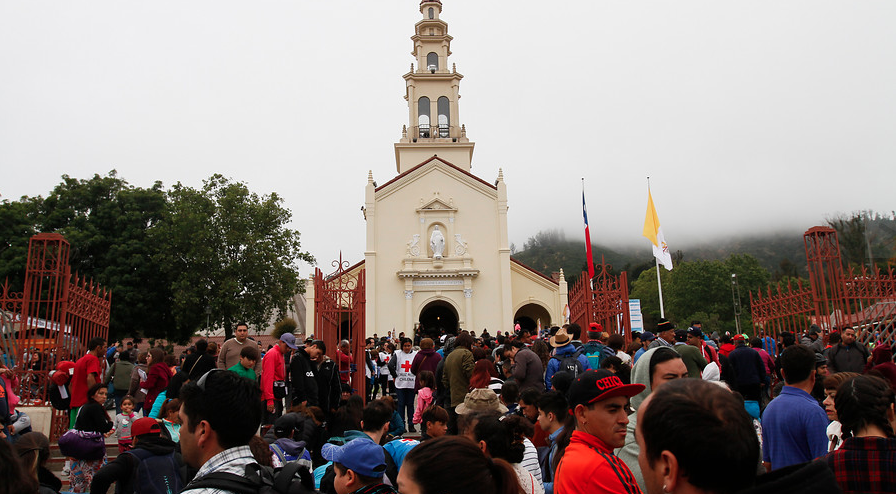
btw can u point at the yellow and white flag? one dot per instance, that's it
(654, 232)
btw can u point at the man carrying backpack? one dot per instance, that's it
(152, 467)
(595, 350)
(566, 358)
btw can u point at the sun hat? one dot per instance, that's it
(480, 400)
(562, 338)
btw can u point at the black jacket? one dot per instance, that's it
(49, 483)
(303, 378)
(92, 418)
(197, 364)
(814, 477)
(329, 388)
(123, 469)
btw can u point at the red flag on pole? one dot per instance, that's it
(587, 236)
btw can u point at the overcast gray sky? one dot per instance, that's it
(747, 115)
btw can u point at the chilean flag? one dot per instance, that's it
(587, 236)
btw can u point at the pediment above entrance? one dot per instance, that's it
(436, 204)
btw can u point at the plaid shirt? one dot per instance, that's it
(865, 465)
(233, 460)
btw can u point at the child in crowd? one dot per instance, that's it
(246, 366)
(123, 422)
(171, 418)
(424, 396)
(435, 423)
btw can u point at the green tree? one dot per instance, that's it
(17, 225)
(106, 221)
(285, 325)
(645, 289)
(228, 249)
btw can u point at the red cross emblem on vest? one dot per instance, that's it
(406, 366)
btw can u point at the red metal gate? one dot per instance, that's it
(51, 320)
(834, 300)
(339, 313)
(606, 303)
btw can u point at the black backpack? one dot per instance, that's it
(293, 478)
(571, 364)
(156, 474)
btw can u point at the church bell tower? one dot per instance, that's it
(432, 93)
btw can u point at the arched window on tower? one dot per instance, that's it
(423, 117)
(444, 116)
(432, 13)
(432, 61)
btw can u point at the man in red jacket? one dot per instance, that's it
(273, 375)
(597, 399)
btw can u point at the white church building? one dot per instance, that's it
(437, 251)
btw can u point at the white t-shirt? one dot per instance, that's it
(404, 379)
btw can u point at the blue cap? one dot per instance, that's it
(647, 336)
(289, 339)
(361, 456)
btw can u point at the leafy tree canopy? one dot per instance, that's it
(226, 248)
(165, 255)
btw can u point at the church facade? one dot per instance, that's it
(437, 252)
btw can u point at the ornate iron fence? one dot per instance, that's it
(51, 320)
(835, 299)
(603, 300)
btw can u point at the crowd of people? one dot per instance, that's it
(564, 410)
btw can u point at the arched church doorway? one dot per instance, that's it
(438, 317)
(530, 315)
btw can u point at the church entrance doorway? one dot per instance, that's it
(530, 315)
(438, 317)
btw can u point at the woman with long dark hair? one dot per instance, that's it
(505, 438)
(92, 417)
(15, 479)
(454, 465)
(866, 407)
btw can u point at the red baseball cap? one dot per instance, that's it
(146, 425)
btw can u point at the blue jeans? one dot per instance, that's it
(406, 405)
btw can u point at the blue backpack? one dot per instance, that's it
(156, 474)
(596, 353)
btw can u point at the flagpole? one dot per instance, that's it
(659, 283)
(659, 287)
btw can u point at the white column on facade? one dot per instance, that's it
(309, 306)
(504, 253)
(370, 256)
(408, 305)
(468, 305)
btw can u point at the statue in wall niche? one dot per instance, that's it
(413, 246)
(437, 243)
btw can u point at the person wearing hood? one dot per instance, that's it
(427, 359)
(563, 349)
(284, 448)
(656, 367)
(148, 440)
